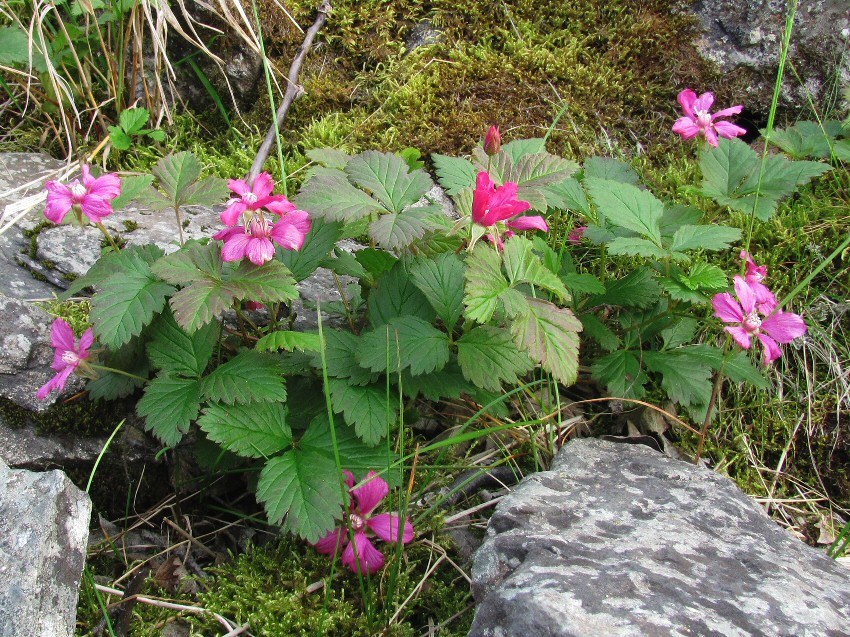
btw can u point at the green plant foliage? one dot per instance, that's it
(369, 409)
(253, 429)
(289, 341)
(441, 281)
(169, 406)
(404, 342)
(248, 377)
(488, 357)
(550, 336)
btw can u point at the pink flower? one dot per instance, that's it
(745, 322)
(576, 234)
(92, 197)
(251, 199)
(493, 141)
(765, 301)
(68, 355)
(492, 205)
(257, 237)
(698, 120)
(364, 500)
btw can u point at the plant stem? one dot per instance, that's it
(712, 402)
(179, 225)
(119, 371)
(108, 236)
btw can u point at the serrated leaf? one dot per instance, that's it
(621, 373)
(524, 266)
(332, 197)
(627, 206)
(300, 490)
(289, 341)
(178, 353)
(205, 192)
(676, 216)
(392, 231)
(582, 283)
(532, 173)
(126, 261)
(568, 195)
(111, 385)
(193, 262)
(271, 282)
(199, 303)
(318, 243)
(329, 157)
(685, 374)
(599, 332)
(157, 135)
(367, 409)
(131, 188)
(519, 148)
(679, 291)
(126, 303)
(704, 238)
(636, 247)
(610, 168)
(681, 332)
(549, 335)
(396, 295)
(386, 176)
(376, 262)
(340, 358)
(250, 376)
(703, 276)
(175, 174)
(253, 430)
(441, 281)
(404, 342)
(14, 46)
(169, 406)
(132, 120)
(120, 140)
(488, 357)
(638, 289)
(740, 369)
(446, 384)
(485, 283)
(454, 173)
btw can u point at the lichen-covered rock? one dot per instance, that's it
(620, 540)
(744, 38)
(27, 354)
(44, 527)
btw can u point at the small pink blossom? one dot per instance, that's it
(744, 322)
(254, 198)
(360, 555)
(492, 205)
(493, 141)
(67, 357)
(755, 274)
(91, 197)
(256, 238)
(697, 119)
(576, 235)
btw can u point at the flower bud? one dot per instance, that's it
(492, 141)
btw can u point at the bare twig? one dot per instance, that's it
(293, 90)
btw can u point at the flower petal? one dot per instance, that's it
(96, 208)
(86, 341)
(686, 100)
(727, 129)
(231, 214)
(234, 245)
(484, 189)
(349, 478)
(726, 308)
(367, 559)
(57, 383)
(278, 204)
(686, 127)
(332, 542)
(385, 526)
(291, 230)
(62, 336)
(259, 250)
(784, 326)
(728, 112)
(106, 186)
(771, 349)
(528, 222)
(704, 102)
(263, 185)
(370, 493)
(59, 201)
(745, 294)
(711, 136)
(740, 335)
(238, 186)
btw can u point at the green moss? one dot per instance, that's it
(75, 417)
(76, 313)
(130, 225)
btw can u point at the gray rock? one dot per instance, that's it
(423, 34)
(620, 540)
(743, 39)
(27, 354)
(44, 526)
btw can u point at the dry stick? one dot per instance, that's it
(293, 90)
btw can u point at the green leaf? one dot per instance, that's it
(271, 282)
(131, 188)
(532, 173)
(611, 169)
(582, 283)
(704, 238)
(300, 490)
(376, 262)
(127, 261)
(340, 348)
(454, 173)
(638, 289)
(519, 148)
(676, 216)
(740, 369)
(488, 357)
(126, 303)
(550, 336)
(568, 195)
(636, 247)
(703, 276)
(205, 192)
(398, 230)
(253, 430)
(366, 409)
(317, 245)
(441, 281)
(250, 376)
(156, 135)
(332, 197)
(404, 342)
(176, 173)
(396, 295)
(110, 385)
(682, 332)
(193, 262)
(621, 373)
(14, 47)
(685, 374)
(447, 384)
(169, 406)
(599, 332)
(628, 207)
(176, 352)
(120, 140)
(386, 176)
(330, 157)
(524, 266)
(132, 120)
(485, 283)
(725, 168)
(289, 341)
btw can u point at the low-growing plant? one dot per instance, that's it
(435, 306)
